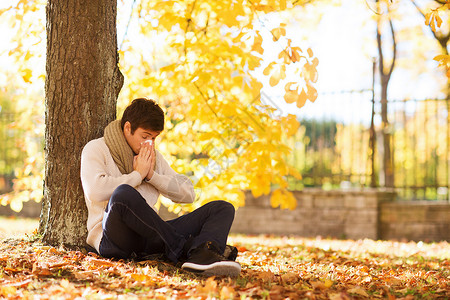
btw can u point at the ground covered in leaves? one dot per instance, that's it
(272, 268)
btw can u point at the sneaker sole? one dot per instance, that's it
(223, 268)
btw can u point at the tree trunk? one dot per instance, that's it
(388, 161)
(81, 88)
(385, 75)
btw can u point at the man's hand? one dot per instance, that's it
(152, 161)
(142, 161)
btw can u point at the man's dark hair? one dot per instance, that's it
(143, 113)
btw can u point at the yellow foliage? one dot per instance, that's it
(433, 20)
(283, 199)
(200, 71)
(444, 61)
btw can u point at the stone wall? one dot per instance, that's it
(352, 214)
(31, 209)
(421, 220)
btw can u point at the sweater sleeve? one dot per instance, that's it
(170, 184)
(98, 184)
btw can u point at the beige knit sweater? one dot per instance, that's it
(100, 176)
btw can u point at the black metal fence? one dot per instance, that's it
(334, 147)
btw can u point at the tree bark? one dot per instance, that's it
(81, 88)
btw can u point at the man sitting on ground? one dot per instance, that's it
(123, 174)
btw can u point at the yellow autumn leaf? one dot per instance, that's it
(141, 277)
(285, 57)
(291, 124)
(206, 136)
(268, 69)
(277, 33)
(312, 93)
(291, 96)
(276, 198)
(278, 73)
(444, 60)
(302, 99)
(433, 20)
(296, 54)
(438, 20)
(257, 44)
(295, 173)
(26, 75)
(290, 202)
(283, 199)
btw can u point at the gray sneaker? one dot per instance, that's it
(206, 260)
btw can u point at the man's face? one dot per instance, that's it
(139, 136)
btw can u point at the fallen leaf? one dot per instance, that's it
(328, 283)
(53, 250)
(7, 290)
(266, 276)
(83, 275)
(100, 262)
(338, 296)
(290, 278)
(20, 284)
(58, 265)
(145, 279)
(358, 291)
(12, 270)
(227, 292)
(393, 281)
(40, 270)
(209, 287)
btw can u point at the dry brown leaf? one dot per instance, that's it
(358, 291)
(52, 250)
(290, 278)
(12, 270)
(40, 270)
(7, 291)
(266, 276)
(317, 284)
(276, 291)
(58, 265)
(393, 281)
(100, 262)
(227, 292)
(83, 275)
(209, 287)
(338, 296)
(20, 284)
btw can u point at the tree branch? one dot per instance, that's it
(380, 49)
(394, 49)
(128, 24)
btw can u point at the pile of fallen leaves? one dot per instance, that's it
(272, 268)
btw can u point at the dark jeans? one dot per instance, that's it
(131, 225)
